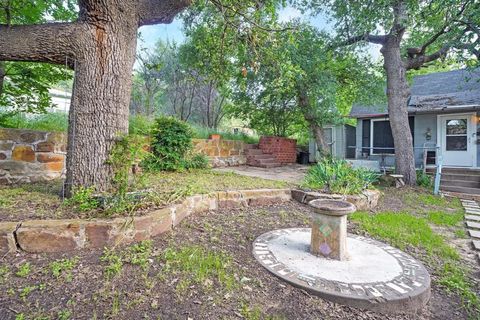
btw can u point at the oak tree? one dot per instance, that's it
(411, 33)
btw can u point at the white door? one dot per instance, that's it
(456, 141)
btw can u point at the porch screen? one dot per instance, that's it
(382, 137)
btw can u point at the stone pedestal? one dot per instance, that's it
(329, 228)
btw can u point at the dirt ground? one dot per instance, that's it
(155, 289)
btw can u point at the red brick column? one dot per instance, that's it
(284, 149)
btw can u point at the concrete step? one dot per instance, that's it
(465, 190)
(460, 183)
(472, 217)
(465, 171)
(473, 225)
(476, 244)
(460, 177)
(474, 234)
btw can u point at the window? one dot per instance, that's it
(381, 137)
(456, 135)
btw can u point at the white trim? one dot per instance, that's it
(371, 137)
(473, 137)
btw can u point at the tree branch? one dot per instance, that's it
(160, 11)
(378, 39)
(51, 42)
(445, 29)
(418, 61)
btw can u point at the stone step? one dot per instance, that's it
(473, 225)
(476, 244)
(268, 165)
(252, 152)
(474, 233)
(251, 146)
(268, 160)
(472, 217)
(464, 190)
(260, 157)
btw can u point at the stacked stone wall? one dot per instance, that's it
(222, 153)
(31, 156)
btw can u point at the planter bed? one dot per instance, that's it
(37, 236)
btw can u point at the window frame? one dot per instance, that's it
(372, 126)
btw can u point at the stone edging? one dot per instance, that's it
(38, 236)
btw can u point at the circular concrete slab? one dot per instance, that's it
(376, 276)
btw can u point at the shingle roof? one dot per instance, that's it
(435, 92)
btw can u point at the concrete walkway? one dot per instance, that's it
(472, 220)
(293, 173)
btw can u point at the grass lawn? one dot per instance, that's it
(44, 201)
(431, 227)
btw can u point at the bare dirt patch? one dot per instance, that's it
(157, 285)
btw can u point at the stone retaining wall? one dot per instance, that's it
(36, 236)
(31, 156)
(222, 153)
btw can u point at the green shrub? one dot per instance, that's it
(196, 161)
(337, 176)
(424, 180)
(171, 142)
(140, 124)
(83, 199)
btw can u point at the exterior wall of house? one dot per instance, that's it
(477, 136)
(338, 148)
(422, 124)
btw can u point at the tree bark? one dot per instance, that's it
(2, 76)
(317, 129)
(397, 93)
(102, 45)
(99, 108)
(319, 135)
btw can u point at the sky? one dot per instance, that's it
(173, 32)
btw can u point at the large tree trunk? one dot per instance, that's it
(99, 109)
(101, 48)
(309, 115)
(398, 92)
(319, 135)
(2, 76)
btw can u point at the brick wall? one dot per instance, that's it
(31, 156)
(222, 153)
(284, 149)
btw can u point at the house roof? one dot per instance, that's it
(435, 92)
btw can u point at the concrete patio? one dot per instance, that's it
(293, 173)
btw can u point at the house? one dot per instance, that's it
(338, 138)
(444, 113)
